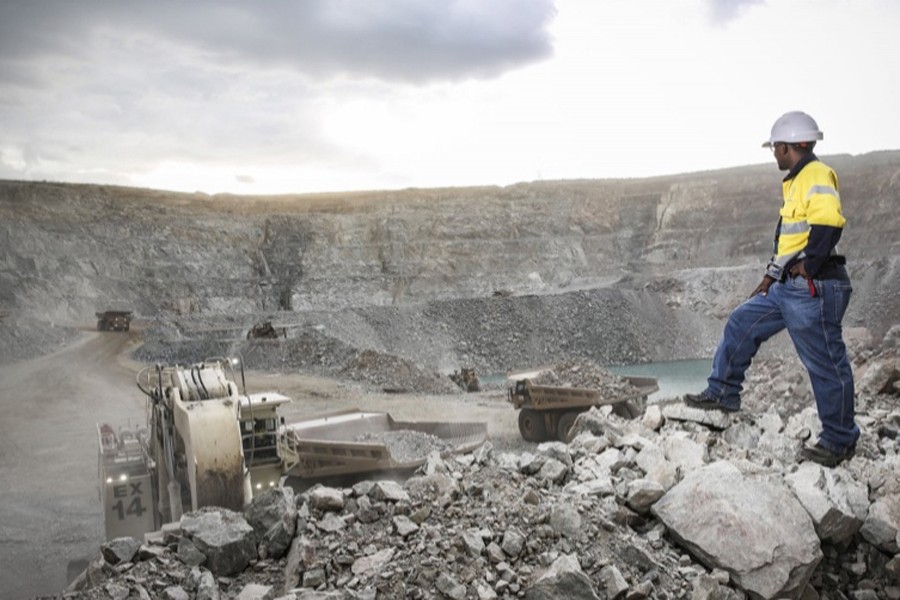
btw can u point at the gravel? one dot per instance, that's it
(582, 374)
(406, 445)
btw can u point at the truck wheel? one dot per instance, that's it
(564, 425)
(531, 425)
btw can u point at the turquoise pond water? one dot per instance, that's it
(675, 377)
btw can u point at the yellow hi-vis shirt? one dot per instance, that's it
(810, 198)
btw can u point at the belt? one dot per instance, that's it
(832, 268)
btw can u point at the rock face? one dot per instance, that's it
(625, 253)
(754, 529)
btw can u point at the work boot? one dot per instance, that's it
(824, 456)
(704, 402)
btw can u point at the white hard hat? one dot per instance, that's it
(794, 127)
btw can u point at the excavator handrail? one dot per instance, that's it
(140, 374)
(227, 364)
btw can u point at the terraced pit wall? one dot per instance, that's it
(680, 250)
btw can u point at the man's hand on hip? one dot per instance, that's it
(799, 268)
(763, 287)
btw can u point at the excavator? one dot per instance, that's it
(207, 442)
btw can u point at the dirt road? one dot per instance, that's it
(49, 505)
(50, 519)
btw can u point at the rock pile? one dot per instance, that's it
(405, 445)
(313, 352)
(377, 345)
(665, 506)
(394, 374)
(585, 374)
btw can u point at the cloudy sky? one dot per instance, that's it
(329, 95)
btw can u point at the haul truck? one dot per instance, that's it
(114, 320)
(547, 412)
(208, 444)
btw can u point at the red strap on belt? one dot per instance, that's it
(812, 287)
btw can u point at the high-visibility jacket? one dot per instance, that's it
(811, 220)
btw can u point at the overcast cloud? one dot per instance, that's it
(295, 96)
(205, 82)
(407, 40)
(723, 11)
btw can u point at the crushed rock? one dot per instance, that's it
(585, 374)
(395, 374)
(406, 445)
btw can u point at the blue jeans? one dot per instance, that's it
(814, 324)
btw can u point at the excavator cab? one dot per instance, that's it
(259, 422)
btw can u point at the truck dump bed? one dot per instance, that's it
(349, 442)
(548, 397)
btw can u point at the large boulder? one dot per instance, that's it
(273, 516)
(880, 376)
(754, 528)
(326, 499)
(120, 550)
(224, 536)
(684, 452)
(563, 579)
(652, 460)
(882, 525)
(837, 504)
(714, 419)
